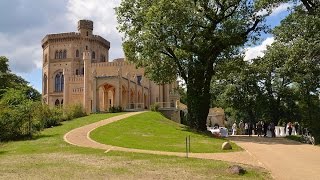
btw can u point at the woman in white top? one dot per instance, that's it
(234, 129)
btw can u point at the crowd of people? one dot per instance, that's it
(262, 128)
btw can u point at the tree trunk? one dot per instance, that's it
(199, 97)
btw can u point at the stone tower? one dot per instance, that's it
(85, 28)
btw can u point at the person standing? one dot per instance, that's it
(241, 127)
(265, 129)
(250, 126)
(234, 128)
(259, 128)
(290, 128)
(246, 128)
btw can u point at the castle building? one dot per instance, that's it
(77, 70)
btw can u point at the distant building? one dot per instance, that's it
(76, 69)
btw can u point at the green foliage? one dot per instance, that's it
(155, 107)
(186, 38)
(115, 109)
(74, 111)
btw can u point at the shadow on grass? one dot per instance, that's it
(3, 152)
(42, 136)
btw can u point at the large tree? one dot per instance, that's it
(186, 38)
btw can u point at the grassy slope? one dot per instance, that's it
(152, 131)
(49, 157)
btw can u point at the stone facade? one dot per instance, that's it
(76, 69)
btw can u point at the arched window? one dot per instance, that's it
(59, 82)
(57, 103)
(77, 53)
(86, 47)
(87, 33)
(56, 56)
(64, 54)
(82, 71)
(45, 58)
(45, 80)
(93, 55)
(60, 54)
(77, 71)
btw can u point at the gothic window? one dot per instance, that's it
(77, 72)
(60, 54)
(64, 54)
(93, 55)
(77, 53)
(139, 79)
(56, 56)
(45, 80)
(57, 103)
(59, 82)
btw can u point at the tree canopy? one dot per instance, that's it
(187, 38)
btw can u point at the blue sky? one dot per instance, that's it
(23, 24)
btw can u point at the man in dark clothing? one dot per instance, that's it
(265, 129)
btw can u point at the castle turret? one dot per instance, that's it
(85, 27)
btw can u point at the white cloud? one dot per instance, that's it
(258, 51)
(281, 8)
(102, 13)
(277, 10)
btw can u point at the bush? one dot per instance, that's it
(155, 107)
(17, 122)
(115, 109)
(74, 111)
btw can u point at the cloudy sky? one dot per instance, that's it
(23, 24)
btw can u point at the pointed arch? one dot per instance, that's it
(56, 56)
(77, 53)
(59, 82)
(64, 54)
(60, 54)
(93, 55)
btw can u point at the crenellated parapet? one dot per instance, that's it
(72, 36)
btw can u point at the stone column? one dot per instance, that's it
(86, 61)
(94, 92)
(66, 75)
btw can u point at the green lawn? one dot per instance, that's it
(152, 131)
(49, 157)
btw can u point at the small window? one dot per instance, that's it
(45, 58)
(61, 102)
(77, 53)
(60, 54)
(87, 33)
(93, 55)
(77, 72)
(86, 47)
(56, 56)
(82, 71)
(139, 79)
(57, 103)
(64, 54)
(45, 80)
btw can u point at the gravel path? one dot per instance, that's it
(80, 137)
(286, 159)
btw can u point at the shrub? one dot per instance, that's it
(155, 107)
(74, 111)
(115, 109)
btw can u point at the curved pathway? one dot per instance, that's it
(80, 137)
(286, 159)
